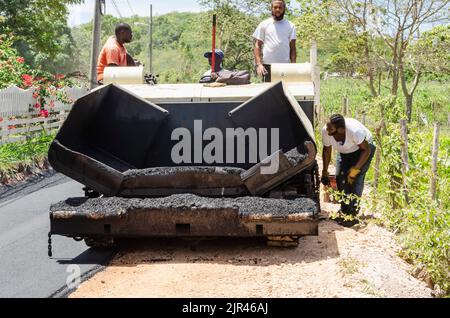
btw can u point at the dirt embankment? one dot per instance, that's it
(340, 262)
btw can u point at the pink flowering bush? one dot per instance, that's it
(14, 71)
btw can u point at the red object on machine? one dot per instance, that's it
(213, 51)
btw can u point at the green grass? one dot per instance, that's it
(431, 99)
(333, 92)
(16, 155)
(350, 265)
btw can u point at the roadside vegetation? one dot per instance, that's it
(21, 159)
(422, 224)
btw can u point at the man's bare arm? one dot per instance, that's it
(258, 51)
(326, 157)
(365, 154)
(258, 57)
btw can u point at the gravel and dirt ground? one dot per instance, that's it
(341, 262)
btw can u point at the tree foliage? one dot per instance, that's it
(40, 31)
(235, 30)
(315, 21)
(179, 41)
(431, 52)
(374, 39)
(249, 7)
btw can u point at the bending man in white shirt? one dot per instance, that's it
(354, 144)
(275, 41)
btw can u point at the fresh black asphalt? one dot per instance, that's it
(25, 268)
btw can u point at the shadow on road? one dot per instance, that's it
(90, 257)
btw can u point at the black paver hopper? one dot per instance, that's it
(122, 146)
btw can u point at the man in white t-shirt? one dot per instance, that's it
(354, 144)
(275, 41)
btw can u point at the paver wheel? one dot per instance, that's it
(102, 242)
(282, 241)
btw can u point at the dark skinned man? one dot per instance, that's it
(221, 75)
(275, 41)
(208, 76)
(354, 144)
(114, 52)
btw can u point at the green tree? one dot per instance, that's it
(234, 34)
(40, 30)
(315, 21)
(179, 42)
(397, 23)
(250, 7)
(429, 54)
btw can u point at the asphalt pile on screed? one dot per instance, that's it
(169, 171)
(295, 157)
(245, 205)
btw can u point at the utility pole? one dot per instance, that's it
(96, 41)
(151, 40)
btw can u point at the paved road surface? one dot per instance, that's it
(25, 268)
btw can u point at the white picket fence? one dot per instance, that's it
(18, 118)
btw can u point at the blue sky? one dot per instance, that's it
(84, 12)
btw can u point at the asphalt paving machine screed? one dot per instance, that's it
(189, 161)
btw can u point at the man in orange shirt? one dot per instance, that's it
(114, 52)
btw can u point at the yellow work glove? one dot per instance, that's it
(352, 174)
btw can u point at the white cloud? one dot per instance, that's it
(80, 14)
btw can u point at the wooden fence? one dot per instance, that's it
(18, 118)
